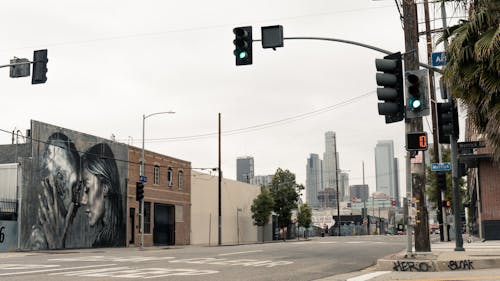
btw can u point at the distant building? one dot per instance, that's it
(262, 180)
(313, 180)
(344, 186)
(330, 161)
(385, 172)
(359, 191)
(396, 182)
(244, 169)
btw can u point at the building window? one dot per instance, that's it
(170, 177)
(181, 180)
(147, 217)
(157, 174)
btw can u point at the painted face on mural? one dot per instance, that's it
(93, 197)
(61, 173)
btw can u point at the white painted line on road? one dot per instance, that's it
(368, 276)
(55, 269)
(355, 242)
(237, 253)
(330, 242)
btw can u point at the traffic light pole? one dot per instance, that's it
(459, 243)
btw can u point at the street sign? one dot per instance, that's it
(143, 179)
(470, 144)
(446, 166)
(438, 58)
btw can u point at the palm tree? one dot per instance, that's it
(473, 68)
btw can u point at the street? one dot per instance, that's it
(291, 260)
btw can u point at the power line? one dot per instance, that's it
(267, 124)
(199, 28)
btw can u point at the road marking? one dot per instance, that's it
(368, 276)
(54, 269)
(128, 272)
(113, 259)
(237, 253)
(355, 242)
(329, 242)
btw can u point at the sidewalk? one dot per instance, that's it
(443, 257)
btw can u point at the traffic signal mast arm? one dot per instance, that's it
(361, 45)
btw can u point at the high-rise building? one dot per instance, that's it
(330, 160)
(262, 180)
(344, 186)
(359, 191)
(384, 168)
(313, 180)
(244, 169)
(396, 182)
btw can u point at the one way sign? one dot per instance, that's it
(438, 58)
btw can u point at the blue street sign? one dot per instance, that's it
(446, 166)
(143, 179)
(438, 58)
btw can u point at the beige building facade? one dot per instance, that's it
(236, 219)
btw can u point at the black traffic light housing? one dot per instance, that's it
(40, 60)
(392, 93)
(243, 45)
(447, 119)
(441, 181)
(418, 93)
(139, 191)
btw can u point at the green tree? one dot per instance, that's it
(432, 184)
(473, 68)
(285, 193)
(261, 208)
(304, 217)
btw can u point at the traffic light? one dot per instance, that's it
(39, 67)
(243, 45)
(447, 203)
(392, 93)
(139, 191)
(418, 94)
(416, 141)
(441, 181)
(447, 118)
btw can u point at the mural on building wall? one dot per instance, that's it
(76, 198)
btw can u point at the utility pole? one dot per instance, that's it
(219, 193)
(410, 21)
(435, 141)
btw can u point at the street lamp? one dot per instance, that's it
(142, 170)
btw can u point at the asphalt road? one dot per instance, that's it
(291, 260)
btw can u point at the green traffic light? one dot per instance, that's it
(242, 55)
(415, 103)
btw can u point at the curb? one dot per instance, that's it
(433, 265)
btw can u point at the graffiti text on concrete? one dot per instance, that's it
(412, 266)
(460, 265)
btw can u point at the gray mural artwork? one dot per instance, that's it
(79, 197)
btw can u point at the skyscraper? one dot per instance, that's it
(384, 168)
(344, 187)
(313, 180)
(330, 161)
(244, 169)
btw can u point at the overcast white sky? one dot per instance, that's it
(112, 61)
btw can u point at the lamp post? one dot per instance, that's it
(142, 170)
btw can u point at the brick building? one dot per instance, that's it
(167, 199)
